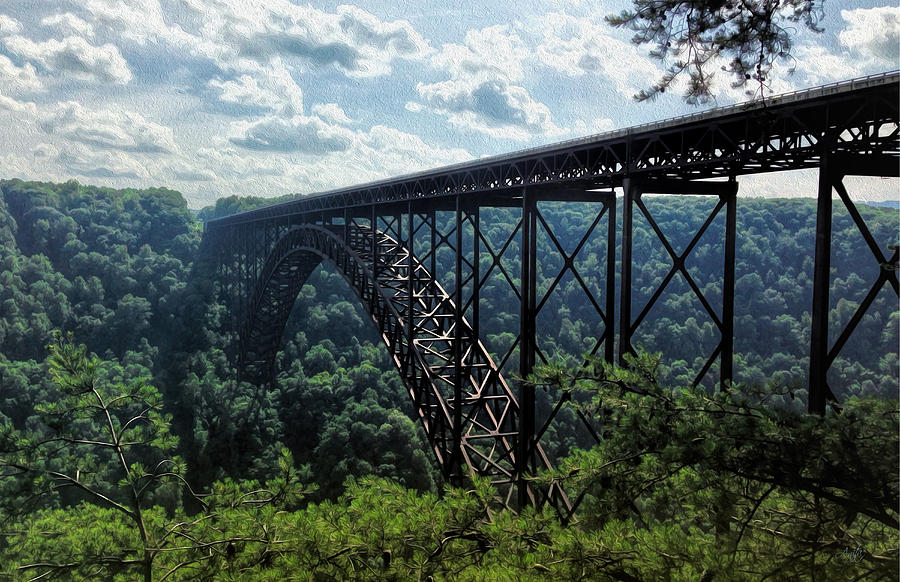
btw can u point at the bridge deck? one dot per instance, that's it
(779, 133)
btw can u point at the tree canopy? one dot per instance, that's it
(744, 39)
(215, 470)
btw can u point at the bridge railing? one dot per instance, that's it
(830, 89)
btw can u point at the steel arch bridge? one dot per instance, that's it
(415, 251)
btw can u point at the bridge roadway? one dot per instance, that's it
(784, 132)
(385, 238)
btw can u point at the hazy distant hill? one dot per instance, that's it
(886, 204)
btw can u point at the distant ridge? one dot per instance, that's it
(886, 204)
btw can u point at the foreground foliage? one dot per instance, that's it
(83, 485)
(685, 485)
(745, 39)
(754, 486)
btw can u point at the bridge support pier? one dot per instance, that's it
(727, 193)
(527, 327)
(818, 349)
(832, 170)
(535, 417)
(458, 355)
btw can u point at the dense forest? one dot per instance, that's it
(129, 450)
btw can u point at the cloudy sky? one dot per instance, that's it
(221, 97)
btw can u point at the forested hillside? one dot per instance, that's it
(114, 269)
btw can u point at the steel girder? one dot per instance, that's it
(726, 192)
(833, 170)
(784, 132)
(470, 415)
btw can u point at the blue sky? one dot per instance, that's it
(221, 97)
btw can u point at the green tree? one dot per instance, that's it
(88, 446)
(87, 453)
(775, 492)
(366, 439)
(695, 36)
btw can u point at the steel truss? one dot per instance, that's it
(724, 321)
(469, 413)
(831, 179)
(416, 251)
(785, 132)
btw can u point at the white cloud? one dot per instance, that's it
(248, 172)
(374, 154)
(873, 33)
(227, 160)
(413, 106)
(28, 166)
(397, 38)
(9, 25)
(68, 24)
(138, 21)
(144, 24)
(481, 94)
(114, 129)
(350, 39)
(45, 151)
(870, 41)
(300, 134)
(331, 112)
(583, 46)
(74, 55)
(494, 50)
(17, 80)
(10, 104)
(821, 66)
(598, 125)
(187, 172)
(394, 152)
(271, 88)
(92, 163)
(491, 106)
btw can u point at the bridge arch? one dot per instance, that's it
(469, 413)
(288, 266)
